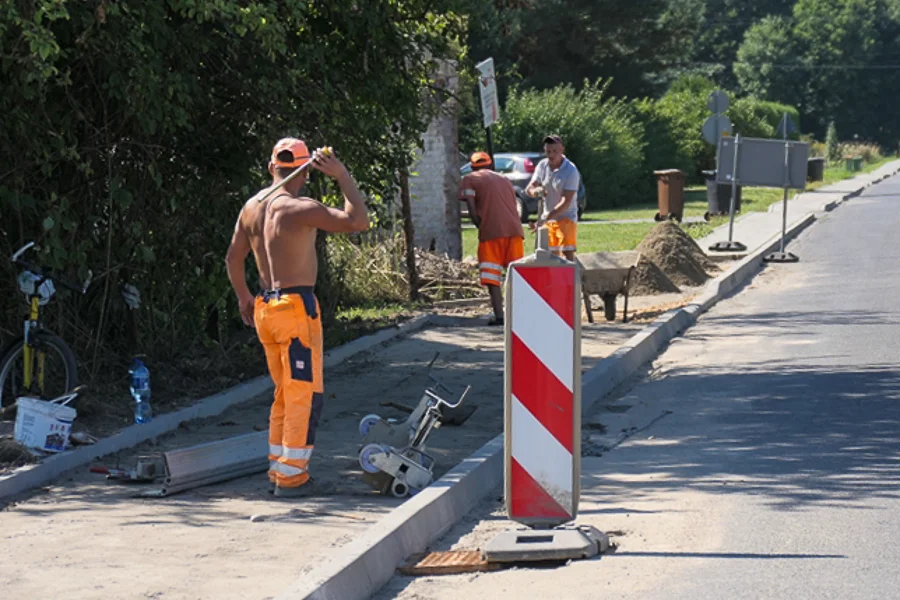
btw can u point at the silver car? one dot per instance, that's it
(518, 167)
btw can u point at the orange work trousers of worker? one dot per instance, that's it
(290, 329)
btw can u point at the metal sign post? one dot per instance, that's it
(786, 127)
(490, 102)
(731, 245)
(542, 413)
(717, 124)
(541, 234)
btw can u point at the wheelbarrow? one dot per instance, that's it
(607, 274)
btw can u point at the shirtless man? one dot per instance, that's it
(281, 233)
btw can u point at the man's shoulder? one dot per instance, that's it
(282, 203)
(569, 165)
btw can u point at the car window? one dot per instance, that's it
(505, 165)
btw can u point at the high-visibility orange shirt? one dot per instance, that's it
(495, 204)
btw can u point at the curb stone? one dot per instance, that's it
(31, 476)
(365, 565)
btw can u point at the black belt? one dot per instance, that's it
(306, 292)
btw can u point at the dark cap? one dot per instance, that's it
(553, 139)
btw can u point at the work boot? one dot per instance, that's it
(313, 487)
(272, 486)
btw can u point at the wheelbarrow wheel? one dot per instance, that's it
(657, 217)
(706, 216)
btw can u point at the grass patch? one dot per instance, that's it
(753, 199)
(612, 238)
(694, 206)
(839, 173)
(591, 238)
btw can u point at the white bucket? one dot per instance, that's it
(44, 425)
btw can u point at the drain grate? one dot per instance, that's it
(453, 562)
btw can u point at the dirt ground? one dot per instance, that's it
(85, 538)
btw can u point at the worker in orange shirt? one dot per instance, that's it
(492, 207)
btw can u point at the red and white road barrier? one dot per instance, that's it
(543, 391)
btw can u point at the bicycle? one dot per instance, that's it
(24, 369)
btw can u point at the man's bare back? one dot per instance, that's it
(281, 231)
(284, 249)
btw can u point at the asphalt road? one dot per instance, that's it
(771, 461)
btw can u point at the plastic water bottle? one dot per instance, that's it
(140, 391)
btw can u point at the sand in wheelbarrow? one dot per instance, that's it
(677, 255)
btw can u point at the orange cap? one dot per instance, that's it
(298, 153)
(480, 159)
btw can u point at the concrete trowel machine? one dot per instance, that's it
(393, 456)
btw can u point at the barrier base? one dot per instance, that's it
(563, 543)
(728, 247)
(781, 257)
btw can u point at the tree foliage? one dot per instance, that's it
(722, 29)
(133, 131)
(601, 135)
(834, 59)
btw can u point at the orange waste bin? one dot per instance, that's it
(670, 194)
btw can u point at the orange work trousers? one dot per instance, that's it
(290, 329)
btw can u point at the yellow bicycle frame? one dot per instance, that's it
(28, 351)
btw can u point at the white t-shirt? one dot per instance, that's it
(564, 179)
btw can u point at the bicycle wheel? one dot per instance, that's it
(60, 369)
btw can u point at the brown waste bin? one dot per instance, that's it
(670, 194)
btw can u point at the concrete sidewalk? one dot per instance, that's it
(754, 228)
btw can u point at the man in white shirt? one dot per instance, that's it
(557, 179)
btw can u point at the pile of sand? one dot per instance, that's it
(649, 280)
(670, 259)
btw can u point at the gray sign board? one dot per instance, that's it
(761, 162)
(715, 127)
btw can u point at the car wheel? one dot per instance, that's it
(522, 209)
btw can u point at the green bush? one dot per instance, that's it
(134, 131)
(602, 135)
(868, 152)
(759, 118)
(673, 126)
(617, 144)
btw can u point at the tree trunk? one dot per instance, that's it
(409, 235)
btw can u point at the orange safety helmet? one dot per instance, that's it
(480, 159)
(299, 153)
